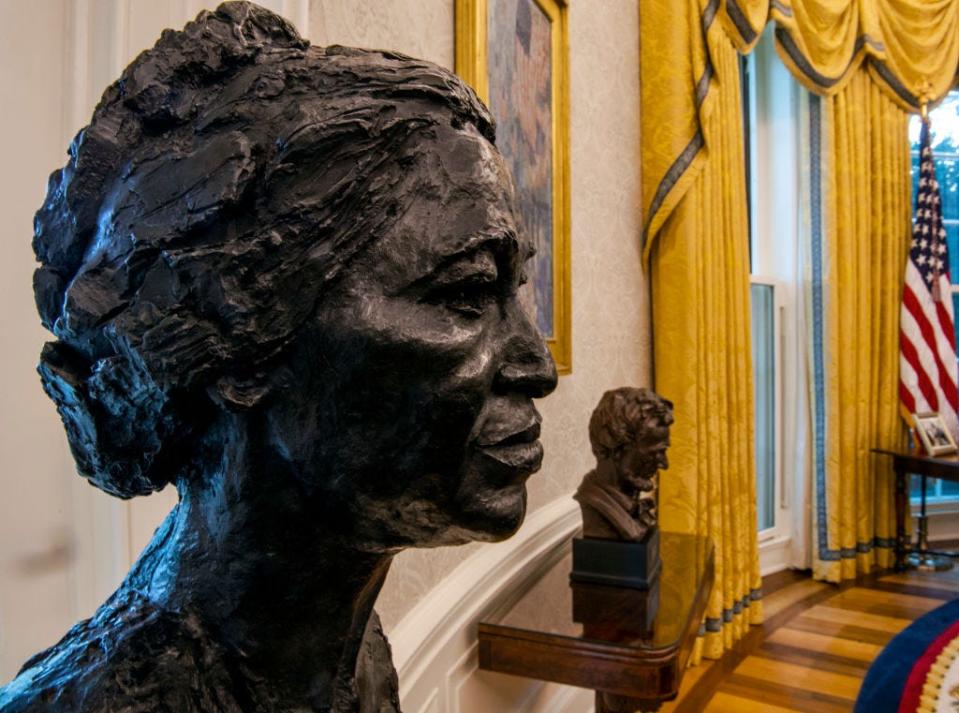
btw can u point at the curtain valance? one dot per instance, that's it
(743, 21)
(678, 81)
(910, 47)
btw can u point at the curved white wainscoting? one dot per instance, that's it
(435, 645)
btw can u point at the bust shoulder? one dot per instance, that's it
(605, 511)
(130, 655)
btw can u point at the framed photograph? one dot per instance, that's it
(933, 433)
(515, 54)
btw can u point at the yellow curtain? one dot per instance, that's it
(695, 239)
(699, 267)
(912, 45)
(677, 78)
(860, 149)
(743, 21)
(675, 73)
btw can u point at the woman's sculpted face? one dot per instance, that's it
(420, 366)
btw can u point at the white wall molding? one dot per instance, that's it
(943, 521)
(573, 700)
(774, 554)
(434, 646)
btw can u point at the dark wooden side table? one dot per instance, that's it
(943, 467)
(631, 661)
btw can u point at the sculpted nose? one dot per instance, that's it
(527, 365)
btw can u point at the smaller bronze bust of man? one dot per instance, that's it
(629, 434)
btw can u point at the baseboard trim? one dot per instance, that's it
(442, 626)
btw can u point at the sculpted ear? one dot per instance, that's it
(235, 393)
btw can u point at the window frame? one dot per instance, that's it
(781, 526)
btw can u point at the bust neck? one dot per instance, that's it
(607, 474)
(244, 552)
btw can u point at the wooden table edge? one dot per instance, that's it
(670, 660)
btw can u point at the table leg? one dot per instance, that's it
(611, 703)
(901, 502)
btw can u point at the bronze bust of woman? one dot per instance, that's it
(285, 279)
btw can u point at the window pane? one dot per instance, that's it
(933, 488)
(764, 376)
(955, 310)
(915, 488)
(952, 242)
(947, 171)
(949, 488)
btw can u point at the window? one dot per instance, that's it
(770, 110)
(764, 324)
(945, 149)
(773, 104)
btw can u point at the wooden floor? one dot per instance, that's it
(818, 640)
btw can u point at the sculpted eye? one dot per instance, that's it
(469, 297)
(467, 286)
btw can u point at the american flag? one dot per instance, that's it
(927, 341)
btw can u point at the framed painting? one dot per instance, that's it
(514, 53)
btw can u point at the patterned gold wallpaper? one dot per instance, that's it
(611, 335)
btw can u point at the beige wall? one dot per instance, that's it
(419, 28)
(35, 599)
(611, 342)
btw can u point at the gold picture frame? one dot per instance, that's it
(932, 431)
(473, 65)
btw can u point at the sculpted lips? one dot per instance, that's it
(509, 434)
(514, 448)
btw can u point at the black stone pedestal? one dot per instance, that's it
(615, 563)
